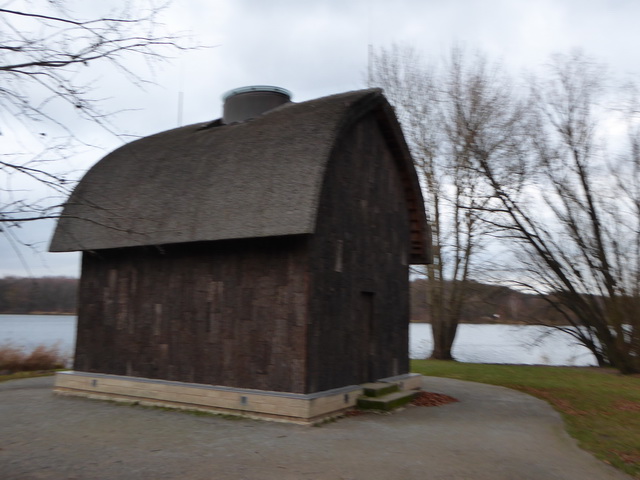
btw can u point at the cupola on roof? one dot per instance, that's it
(245, 103)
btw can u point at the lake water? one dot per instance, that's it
(523, 344)
(29, 331)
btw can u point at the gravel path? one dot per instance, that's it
(491, 433)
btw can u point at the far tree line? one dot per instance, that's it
(38, 295)
(485, 303)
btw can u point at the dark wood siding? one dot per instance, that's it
(359, 311)
(227, 313)
(298, 314)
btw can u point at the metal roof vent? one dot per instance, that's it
(244, 103)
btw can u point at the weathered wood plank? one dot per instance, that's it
(360, 292)
(196, 313)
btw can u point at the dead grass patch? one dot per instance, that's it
(627, 406)
(563, 405)
(43, 357)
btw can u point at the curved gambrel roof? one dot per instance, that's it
(210, 181)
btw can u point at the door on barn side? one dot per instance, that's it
(369, 334)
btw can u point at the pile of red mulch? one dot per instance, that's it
(428, 399)
(424, 399)
(354, 413)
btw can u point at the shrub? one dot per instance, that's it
(14, 359)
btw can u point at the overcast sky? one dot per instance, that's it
(318, 48)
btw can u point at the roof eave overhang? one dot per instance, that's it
(420, 252)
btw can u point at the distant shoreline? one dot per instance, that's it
(38, 313)
(506, 322)
(412, 321)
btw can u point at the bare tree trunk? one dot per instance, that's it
(442, 326)
(444, 333)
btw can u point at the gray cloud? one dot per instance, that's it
(319, 48)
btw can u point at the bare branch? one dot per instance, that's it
(44, 83)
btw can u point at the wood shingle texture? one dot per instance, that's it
(269, 254)
(211, 181)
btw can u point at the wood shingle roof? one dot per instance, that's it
(211, 181)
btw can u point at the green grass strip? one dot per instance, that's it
(600, 407)
(19, 375)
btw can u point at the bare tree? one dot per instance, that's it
(411, 88)
(536, 174)
(50, 61)
(575, 218)
(445, 112)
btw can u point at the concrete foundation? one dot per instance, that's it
(277, 406)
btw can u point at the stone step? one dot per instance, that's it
(386, 402)
(378, 389)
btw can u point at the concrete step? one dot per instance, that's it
(378, 389)
(386, 402)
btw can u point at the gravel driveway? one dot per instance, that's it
(492, 433)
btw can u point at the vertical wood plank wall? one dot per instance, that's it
(360, 291)
(296, 314)
(221, 313)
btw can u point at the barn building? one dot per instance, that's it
(256, 264)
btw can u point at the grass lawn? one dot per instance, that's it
(19, 375)
(600, 407)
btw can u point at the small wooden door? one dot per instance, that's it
(367, 321)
